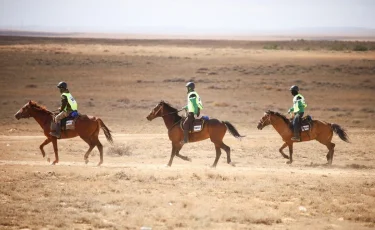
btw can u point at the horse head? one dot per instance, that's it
(156, 111)
(24, 112)
(264, 121)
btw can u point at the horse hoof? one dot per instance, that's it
(86, 161)
(232, 164)
(289, 162)
(100, 163)
(167, 166)
(188, 159)
(48, 159)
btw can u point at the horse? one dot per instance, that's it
(86, 127)
(213, 129)
(320, 131)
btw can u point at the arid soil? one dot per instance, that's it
(120, 81)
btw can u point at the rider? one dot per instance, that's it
(193, 107)
(298, 109)
(68, 105)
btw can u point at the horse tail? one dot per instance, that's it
(340, 132)
(232, 130)
(106, 131)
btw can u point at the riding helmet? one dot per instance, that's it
(294, 88)
(62, 85)
(190, 85)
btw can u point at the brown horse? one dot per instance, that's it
(320, 131)
(213, 129)
(85, 127)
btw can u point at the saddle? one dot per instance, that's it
(198, 124)
(67, 123)
(306, 123)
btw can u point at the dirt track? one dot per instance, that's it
(121, 82)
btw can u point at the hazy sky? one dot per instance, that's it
(184, 15)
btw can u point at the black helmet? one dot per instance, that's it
(62, 85)
(190, 85)
(294, 88)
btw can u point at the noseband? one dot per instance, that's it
(268, 119)
(23, 115)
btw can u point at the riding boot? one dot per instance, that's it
(296, 136)
(297, 126)
(57, 132)
(186, 136)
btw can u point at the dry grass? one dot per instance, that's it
(119, 150)
(120, 81)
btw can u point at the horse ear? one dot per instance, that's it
(30, 102)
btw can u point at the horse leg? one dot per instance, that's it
(331, 150)
(91, 146)
(218, 153)
(282, 152)
(100, 148)
(330, 146)
(290, 145)
(46, 142)
(173, 153)
(226, 148)
(177, 150)
(54, 142)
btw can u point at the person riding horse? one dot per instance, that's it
(298, 109)
(193, 107)
(68, 106)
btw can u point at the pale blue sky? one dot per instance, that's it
(160, 16)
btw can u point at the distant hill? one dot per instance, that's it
(317, 33)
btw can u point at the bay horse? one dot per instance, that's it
(320, 131)
(86, 127)
(213, 129)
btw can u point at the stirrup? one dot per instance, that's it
(55, 135)
(296, 139)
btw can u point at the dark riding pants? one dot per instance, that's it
(297, 123)
(188, 123)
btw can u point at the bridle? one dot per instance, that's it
(23, 115)
(261, 122)
(167, 113)
(161, 107)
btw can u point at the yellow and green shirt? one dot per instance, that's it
(194, 102)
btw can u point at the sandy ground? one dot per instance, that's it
(120, 81)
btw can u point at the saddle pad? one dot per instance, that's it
(70, 125)
(198, 125)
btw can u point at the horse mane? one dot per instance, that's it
(279, 115)
(172, 110)
(42, 108)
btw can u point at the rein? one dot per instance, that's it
(269, 119)
(175, 124)
(172, 113)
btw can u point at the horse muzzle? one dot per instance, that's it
(17, 116)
